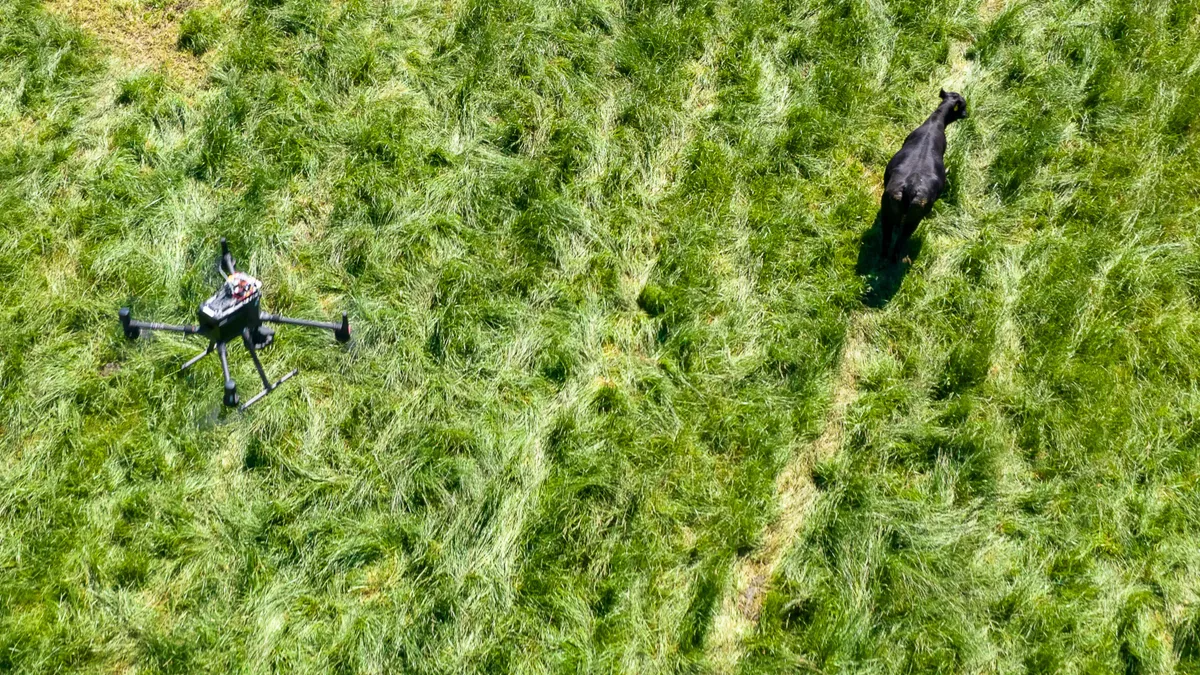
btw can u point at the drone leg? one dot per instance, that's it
(196, 358)
(262, 374)
(231, 397)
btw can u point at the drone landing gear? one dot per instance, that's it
(248, 340)
(231, 398)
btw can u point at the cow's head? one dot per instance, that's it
(954, 104)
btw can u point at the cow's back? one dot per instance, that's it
(918, 168)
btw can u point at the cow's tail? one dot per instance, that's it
(907, 194)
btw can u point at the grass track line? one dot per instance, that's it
(795, 493)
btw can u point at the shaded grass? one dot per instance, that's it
(601, 259)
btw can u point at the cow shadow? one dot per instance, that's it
(883, 278)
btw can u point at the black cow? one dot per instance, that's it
(916, 175)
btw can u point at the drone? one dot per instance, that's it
(233, 312)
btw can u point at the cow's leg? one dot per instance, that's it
(888, 212)
(911, 220)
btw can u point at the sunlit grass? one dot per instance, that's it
(601, 262)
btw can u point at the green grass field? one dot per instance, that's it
(618, 343)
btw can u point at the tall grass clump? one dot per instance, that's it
(199, 30)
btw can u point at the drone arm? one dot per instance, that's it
(221, 352)
(340, 331)
(231, 395)
(189, 330)
(226, 258)
(133, 328)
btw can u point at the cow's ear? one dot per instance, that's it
(942, 94)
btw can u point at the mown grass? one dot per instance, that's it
(601, 259)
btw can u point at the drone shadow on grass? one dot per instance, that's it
(883, 278)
